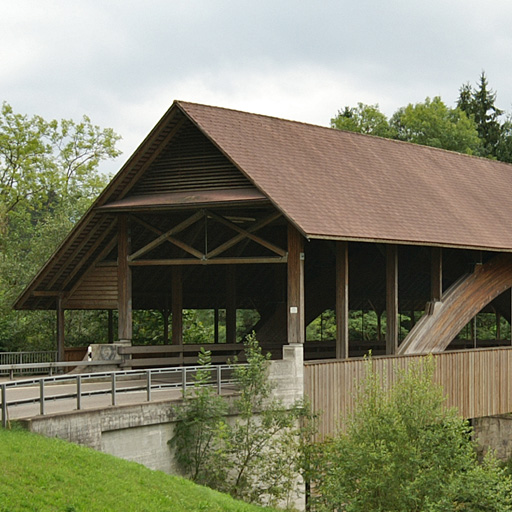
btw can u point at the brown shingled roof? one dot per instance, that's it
(329, 183)
(335, 184)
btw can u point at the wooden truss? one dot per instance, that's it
(206, 256)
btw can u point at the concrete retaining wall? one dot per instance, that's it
(495, 433)
(140, 432)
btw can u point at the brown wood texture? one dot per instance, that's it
(97, 291)
(296, 320)
(172, 355)
(444, 319)
(342, 277)
(475, 381)
(230, 305)
(391, 299)
(177, 306)
(124, 281)
(60, 330)
(436, 274)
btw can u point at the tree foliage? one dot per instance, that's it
(479, 104)
(404, 451)
(197, 421)
(49, 175)
(432, 123)
(366, 119)
(474, 126)
(255, 457)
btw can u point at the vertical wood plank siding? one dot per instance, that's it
(477, 382)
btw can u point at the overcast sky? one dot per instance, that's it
(123, 62)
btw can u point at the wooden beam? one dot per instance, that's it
(104, 232)
(213, 261)
(296, 324)
(251, 229)
(436, 274)
(97, 262)
(153, 155)
(42, 293)
(216, 325)
(124, 281)
(167, 236)
(110, 323)
(230, 304)
(342, 306)
(89, 253)
(165, 316)
(391, 299)
(177, 306)
(247, 234)
(60, 330)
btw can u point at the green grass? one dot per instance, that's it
(40, 474)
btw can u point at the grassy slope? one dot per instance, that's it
(40, 474)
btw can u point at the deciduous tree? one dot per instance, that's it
(432, 123)
(49, 175)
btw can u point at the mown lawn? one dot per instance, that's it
(40, 474)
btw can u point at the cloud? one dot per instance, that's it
(122, 62)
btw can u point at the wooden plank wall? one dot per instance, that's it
(97, 291)
(477, 382)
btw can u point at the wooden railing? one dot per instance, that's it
(168, 355)
(477, 382)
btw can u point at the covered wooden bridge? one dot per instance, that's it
(224, 210)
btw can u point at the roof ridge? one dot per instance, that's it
(336, 130)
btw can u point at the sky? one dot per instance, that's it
(123, 62)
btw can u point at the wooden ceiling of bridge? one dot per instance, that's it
(329, 184)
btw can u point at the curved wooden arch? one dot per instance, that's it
(444, 319)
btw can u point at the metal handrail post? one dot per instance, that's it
(184, 378)
(148, 383)
(79, 392)
(4, 406)
(113, 389)
(219, 379)
(41, 397)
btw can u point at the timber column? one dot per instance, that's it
(296, 321)
(392, 324)
(341, 300)
(60, 330)
(177, 306)
(124, 282)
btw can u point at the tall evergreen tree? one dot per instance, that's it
(479, 103)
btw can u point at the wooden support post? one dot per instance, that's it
(216, 325)
(177, 306)
(165, 317)
(230, 304)
(391, 299)
(436, 274)
(110, 328)
(342, 307)
(296, 322)
(60, 330)
(124, 281)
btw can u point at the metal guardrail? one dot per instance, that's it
(115, 383)
(51, 366)
(24, 358)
